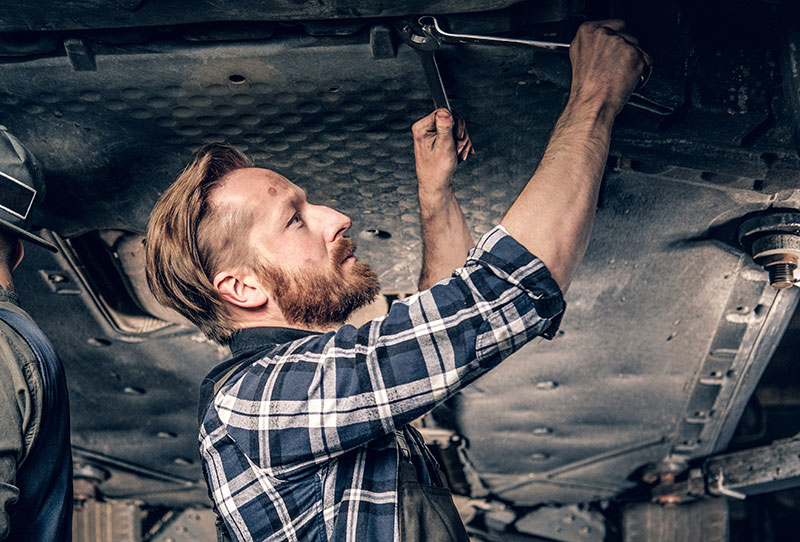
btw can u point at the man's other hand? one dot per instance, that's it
(440, 143)
(607, 64)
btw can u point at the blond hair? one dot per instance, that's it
(188, 240)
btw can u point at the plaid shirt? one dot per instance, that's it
(299, 444)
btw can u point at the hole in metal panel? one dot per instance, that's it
(374, 233)
(132, 390)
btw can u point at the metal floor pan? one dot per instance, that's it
(668, 326)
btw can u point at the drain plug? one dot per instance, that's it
(774, 241)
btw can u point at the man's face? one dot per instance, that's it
(302, 255)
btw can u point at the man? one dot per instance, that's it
(304, 433)
(35, 456)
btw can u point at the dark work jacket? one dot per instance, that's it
(43, 512)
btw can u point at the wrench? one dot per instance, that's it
(426, 46)
(430, 27)
(434, 37)
(431, 69)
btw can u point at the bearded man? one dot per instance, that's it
(304, 433)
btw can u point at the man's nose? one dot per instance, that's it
(335, 223)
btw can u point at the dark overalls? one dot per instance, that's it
(425, 512)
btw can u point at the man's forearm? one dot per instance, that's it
(553, 215)
(446, 239)
(440, 141)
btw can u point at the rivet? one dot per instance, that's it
(166, 434)
(182, 461)
(546, 385)
(98, 342)
(542, 430)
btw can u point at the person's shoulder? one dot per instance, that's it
(19, 373)
(8, 334)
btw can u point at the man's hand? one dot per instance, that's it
(440, 143)
(438, 147)
(607, 64)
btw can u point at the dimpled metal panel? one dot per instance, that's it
(341, 129)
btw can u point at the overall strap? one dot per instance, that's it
(223, 535)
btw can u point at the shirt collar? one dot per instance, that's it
(256, 338)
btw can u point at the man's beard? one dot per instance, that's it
(324, 297)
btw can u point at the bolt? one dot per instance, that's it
(774, 241)
(781, 275)
(779, 255)
(668, 500)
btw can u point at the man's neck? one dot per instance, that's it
(6, 282)
(324, 328)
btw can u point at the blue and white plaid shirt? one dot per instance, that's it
(299, 444)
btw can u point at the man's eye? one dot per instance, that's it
(295, 219)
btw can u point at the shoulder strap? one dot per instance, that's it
(224, 378)
(223, 535)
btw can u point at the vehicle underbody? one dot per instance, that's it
(670, 323)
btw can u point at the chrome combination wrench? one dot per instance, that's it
(433, 36)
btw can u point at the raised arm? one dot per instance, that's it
(438, 148)
(553, 215)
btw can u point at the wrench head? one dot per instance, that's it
(418, 37)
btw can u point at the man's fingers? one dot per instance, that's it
(444, 123)
(465, 152)
(461, 128)
(627, 37)
(424, 125)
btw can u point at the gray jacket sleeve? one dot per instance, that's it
(20, 407)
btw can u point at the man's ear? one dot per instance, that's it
(240, 289)
(16, 257)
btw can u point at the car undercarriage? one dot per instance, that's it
(675, 347)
